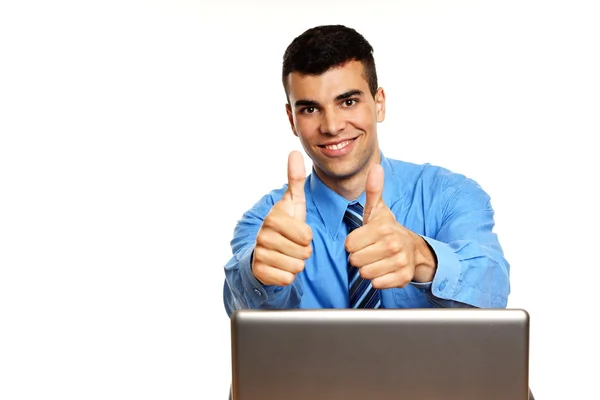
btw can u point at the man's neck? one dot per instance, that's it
(353, 186)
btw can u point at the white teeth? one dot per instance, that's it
(338, 146)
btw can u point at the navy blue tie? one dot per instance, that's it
(361, 293)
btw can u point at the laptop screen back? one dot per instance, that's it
(342, 354)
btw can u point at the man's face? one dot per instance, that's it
(335, 117)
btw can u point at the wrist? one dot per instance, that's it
(425, 260)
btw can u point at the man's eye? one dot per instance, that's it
(308, 110)
(349, 102)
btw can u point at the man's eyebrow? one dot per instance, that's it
(343, 96)
(348, 94)
(307, 103)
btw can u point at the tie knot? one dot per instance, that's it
(353, 216)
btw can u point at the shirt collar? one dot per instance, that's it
(331, 206)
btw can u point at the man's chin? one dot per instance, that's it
(339, 173)
(336, 169)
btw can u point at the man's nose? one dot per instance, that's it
(332, 122)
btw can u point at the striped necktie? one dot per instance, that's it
(361, 293)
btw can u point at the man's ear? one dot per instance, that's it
(380, 104)
(290, 114)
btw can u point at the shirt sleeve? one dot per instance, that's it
(472, 270)
(241, 289)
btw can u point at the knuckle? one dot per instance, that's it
(405, 278)
(308, 252)
(259, 271)
(269, 222)
(353, 260)
(348, 245)
(384, 229)
(309, 234)
(260, 253)
(287, 279)
(262, 239)
(366, 273)
(306, 235)
(393, 245)
(401, 259)
(297, 266)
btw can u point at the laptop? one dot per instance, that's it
(382, 354)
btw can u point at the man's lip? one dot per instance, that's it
(338, 142)
(345, 148)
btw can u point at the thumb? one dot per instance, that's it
(374, 189)
(296, 178)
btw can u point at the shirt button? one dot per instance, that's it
(442, 285)
(257, 292)
(278, 289)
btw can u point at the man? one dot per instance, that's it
(362, 230)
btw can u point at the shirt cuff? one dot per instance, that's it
(257, 292)
(447, 275)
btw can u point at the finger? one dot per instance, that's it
(397, 246)
(296, 179)
(370, 254)
(277, 260)
(374, 189)
(281, 222)
(376, 267)
(364, 236)
(268, 275)
(273, 240)
(398, 279)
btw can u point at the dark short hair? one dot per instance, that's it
(323, 47)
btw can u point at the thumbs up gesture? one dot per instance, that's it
(283, 240)
(385, 252)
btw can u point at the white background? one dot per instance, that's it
(134, 134)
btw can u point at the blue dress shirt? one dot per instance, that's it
(450, 211)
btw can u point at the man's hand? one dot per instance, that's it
(385, 252)
(283, 240)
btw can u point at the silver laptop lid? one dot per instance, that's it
(342, 354)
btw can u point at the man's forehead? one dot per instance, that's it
(329, 84)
